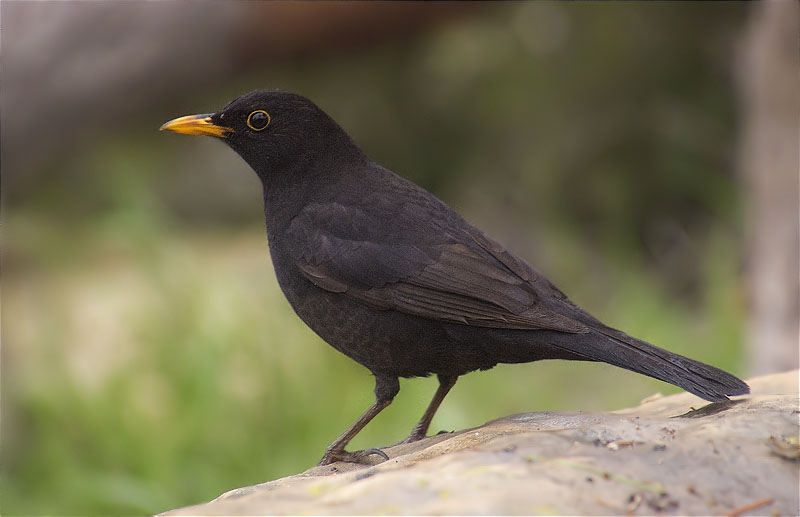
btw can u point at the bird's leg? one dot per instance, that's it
(385, 390)
(420, 430)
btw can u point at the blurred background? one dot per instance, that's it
(643, 156)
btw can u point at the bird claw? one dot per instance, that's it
(413, 437)
(351, 457)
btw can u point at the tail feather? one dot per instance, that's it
(614, 347)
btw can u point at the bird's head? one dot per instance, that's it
(270, 129)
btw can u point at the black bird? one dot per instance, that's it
(395, 279)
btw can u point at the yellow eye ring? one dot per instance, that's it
(258, 120)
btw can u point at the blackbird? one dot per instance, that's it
(395, 279)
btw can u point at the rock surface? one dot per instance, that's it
(670, 455)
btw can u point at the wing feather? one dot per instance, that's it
(471, 281)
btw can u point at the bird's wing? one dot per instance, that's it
(418, 267)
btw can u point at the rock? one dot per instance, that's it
(670, 455)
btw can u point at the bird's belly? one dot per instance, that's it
(385, 341)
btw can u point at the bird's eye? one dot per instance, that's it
(258, 120)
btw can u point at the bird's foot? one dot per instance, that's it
(417, 436)
(413, 437)
(332, 456)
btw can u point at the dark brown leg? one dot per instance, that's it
(385, 390)
(419, 432)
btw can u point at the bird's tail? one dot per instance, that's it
(615, 347)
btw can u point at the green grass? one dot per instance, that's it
(147, 380)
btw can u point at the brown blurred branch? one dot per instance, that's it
(73, 70)
(770, 81)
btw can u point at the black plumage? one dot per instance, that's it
(392, 277)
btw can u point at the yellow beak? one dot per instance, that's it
(196, 125)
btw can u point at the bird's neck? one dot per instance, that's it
(309, 178)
